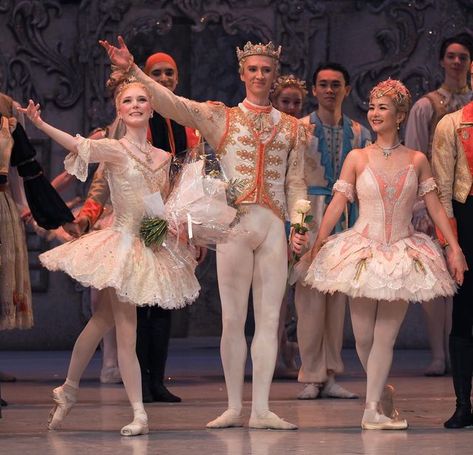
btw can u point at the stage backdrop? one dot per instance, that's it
(49, 52)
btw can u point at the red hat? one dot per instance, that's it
(159, 57)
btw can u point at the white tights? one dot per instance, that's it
(111, 312)
(260, 260)
(376, 325)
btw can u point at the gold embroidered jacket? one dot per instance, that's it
(449, 159)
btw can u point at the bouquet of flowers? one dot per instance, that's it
(154, 226)
(204, 199)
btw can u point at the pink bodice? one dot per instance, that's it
(386, 202)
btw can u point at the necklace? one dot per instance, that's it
(387, 151)
(146, 152)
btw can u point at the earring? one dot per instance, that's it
(398, 126)
(151, 115)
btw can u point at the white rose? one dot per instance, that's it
(302, 206)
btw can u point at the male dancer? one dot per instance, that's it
(153, 323)
(452, 164)
(321, 316)
(264, 149)
(455, 57)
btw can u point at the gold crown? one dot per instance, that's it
(289, 80)
(267, 50)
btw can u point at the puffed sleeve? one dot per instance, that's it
(346, 188)
(427, 186)
(94, 151)
(295, 183)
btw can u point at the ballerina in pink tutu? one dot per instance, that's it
(382, 263)
(116, 258)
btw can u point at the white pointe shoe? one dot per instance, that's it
(374, 420)
(137, 427)
(230, 418)
(63, 404)
(309, 392)
(270, 421)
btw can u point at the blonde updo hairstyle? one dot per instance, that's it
(397, 91)
(118, 85)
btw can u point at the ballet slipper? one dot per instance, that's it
(63, 403)
(270, 421)
(333, 390)
(373, 420)
(230, 418)
(309, 392)
(137, 427)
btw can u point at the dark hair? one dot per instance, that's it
(334, 67)
(465, 39)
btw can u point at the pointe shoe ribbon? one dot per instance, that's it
(270, 421)
(63, 404)
(386, 402)
(137, 427)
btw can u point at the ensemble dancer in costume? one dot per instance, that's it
(116, 258)
(452, 164)
(455, 58)
(263, 148)
(48, 209)
(287, 95)
(382, 263)
(154, 323)
(321, 316)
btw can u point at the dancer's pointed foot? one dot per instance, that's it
(309, 392)
(373, 420)
(64, 400)
(230, 418)
(137, 427)
(269, 420)
(333, 390)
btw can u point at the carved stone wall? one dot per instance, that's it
(49, 53)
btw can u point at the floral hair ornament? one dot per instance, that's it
(394, 89)
(265, 50)
(286, 81)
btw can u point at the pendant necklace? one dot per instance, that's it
(146, 152)
(387, 151)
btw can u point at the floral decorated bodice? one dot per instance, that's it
(129, 178)
(386, 200)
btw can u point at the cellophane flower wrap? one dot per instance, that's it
(202, 198)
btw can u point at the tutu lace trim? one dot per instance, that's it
(140, 276)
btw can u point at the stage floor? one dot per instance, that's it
(325, 426)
